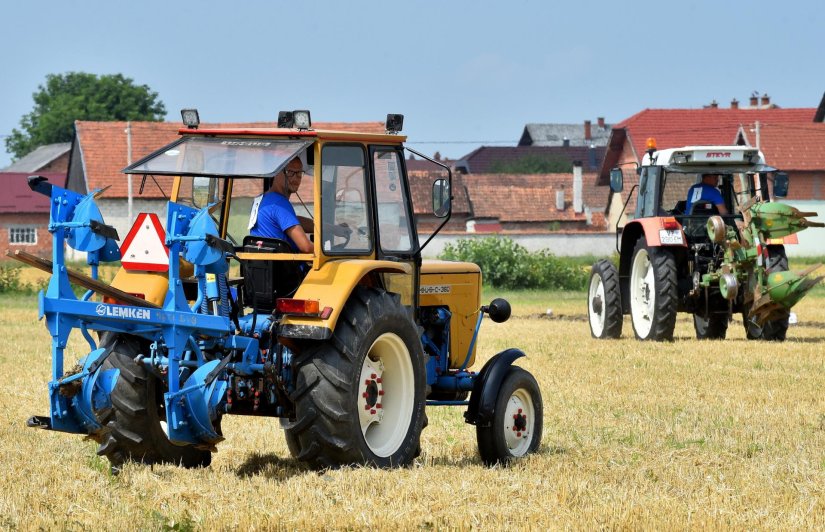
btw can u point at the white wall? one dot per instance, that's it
(561, 244)
(811, 240)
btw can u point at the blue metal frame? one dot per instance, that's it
(191, 406)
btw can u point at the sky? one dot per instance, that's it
(463, 73)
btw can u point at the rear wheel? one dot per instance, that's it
(360, 395)
(714, 327)
(136, 427)
(517, 420)
(652, 292)
(604, 301)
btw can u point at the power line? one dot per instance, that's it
(463, 142)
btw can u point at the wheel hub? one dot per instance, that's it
(597, 305)
(371, 393)
(517, 429)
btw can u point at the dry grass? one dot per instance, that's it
(680, 435)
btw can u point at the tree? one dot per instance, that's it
(81, 96)
(533, 164)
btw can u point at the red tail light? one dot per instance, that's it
(670, 223)
(301, 307)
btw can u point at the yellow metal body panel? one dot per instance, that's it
(152, 285)
(332, 285)
(457, 286)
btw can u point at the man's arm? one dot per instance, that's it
(297, 234)
(307, 224)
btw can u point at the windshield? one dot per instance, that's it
(734, 188)
(218, 157)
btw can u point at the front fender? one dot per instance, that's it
(488, 382)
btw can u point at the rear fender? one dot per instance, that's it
(632, 232)
(482, 405)
(331, 285)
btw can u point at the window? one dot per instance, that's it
(393, 220)
(26, 236)
(344, 201)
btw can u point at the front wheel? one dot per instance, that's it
(653, 292)
(517, 421)
(713, 327)
(604, 301)
(360, 395)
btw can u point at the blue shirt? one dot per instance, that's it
(274, 217)
(702, 192)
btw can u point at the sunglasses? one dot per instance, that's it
(293, 173)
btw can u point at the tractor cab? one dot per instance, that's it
(354, 202)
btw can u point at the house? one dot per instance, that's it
(102, 149)
(566, 134)
(49, 158)
(673, 128)
(798, 149)
(24, 214)
(492, 159)
(535, 203)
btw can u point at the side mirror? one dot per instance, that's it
(441, 198)
(498, 310)
(780, 185)
(616, 179)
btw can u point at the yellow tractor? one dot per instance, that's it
(346, 344)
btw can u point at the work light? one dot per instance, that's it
(190, 118)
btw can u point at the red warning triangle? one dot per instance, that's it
(143, 247)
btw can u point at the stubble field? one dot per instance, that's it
(719, 434)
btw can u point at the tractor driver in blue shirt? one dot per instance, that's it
(706, 192)
(273, 216)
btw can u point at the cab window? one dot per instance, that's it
(345, 228)
(394, 227)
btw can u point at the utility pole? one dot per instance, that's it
(129, 176)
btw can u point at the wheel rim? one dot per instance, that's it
(642, 294)
(519, 422)
(386, 395)
(595, 306)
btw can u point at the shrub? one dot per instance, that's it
(10, 279)
(506, 264)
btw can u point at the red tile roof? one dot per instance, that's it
(528, 197)
(792, 146)
(104, 148)
(673, 128)
(421, 190)
(17, 197)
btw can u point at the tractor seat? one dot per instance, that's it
(264, 281)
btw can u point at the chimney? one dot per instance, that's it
(734, 104)
(754, 99)
(601, 122)
(577, 187)
(565, 142)
(714, 105)
(766, 101)
(587, 135)
(560, 199)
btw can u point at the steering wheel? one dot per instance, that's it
(341, 230)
